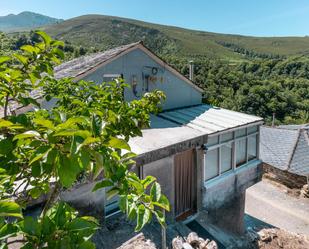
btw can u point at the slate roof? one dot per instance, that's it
(286, 147)
(81, 65)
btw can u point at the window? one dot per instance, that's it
(252, 147)
(111, 77)
(252, 129)
(212, 164)
(226, 157)
(227, 137)
(230, 150)
(241, 151)
(213, 140)
(240, 133)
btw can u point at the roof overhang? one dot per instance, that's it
(178, 130)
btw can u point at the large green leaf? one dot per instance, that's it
(6, 146)
(44, 122)
(102, 184)
(118, 143)
(86, 245)
(46, 38)
(163, 203)
(27, 134)
(9, 209)
(30, 49)
(21, 58)
(31, 226)
(155, 192)
(4, 59)
(143, 216)
(79, 224)
(68, 168)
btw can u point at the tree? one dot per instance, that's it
(84, 136)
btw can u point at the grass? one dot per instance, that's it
(106, 31)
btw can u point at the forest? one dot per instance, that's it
(262, 84)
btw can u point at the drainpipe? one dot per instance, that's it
(191, 70)
(273, 121)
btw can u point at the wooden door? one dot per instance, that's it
(185, 184)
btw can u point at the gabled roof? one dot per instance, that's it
(286, 147)
(81, 65)
(85, 65)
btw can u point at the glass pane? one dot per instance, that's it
(252, 129)
(226, 137)
(213, 140)
(252, 147)
(226, 157)
(241, 154)
(211, 164)
(240, 132)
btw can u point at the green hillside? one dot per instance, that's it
(105, 31)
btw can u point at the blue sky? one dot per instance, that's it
(247, 17)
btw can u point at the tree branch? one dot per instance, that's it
(6, 104)
(51, 198)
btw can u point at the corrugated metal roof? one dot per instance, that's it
(209, 119)
(176, 126)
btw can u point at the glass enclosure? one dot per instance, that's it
(230, 150)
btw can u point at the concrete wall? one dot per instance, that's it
(224, 197)
(136, 63)
(222, 189)
(84, 200)
(163, 170)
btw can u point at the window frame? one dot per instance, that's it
(234, 150)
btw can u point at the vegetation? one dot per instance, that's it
(259, 76)
(260, 87)
(105, 32)
(85, 136)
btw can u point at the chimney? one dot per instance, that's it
(191, 70)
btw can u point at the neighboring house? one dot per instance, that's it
(285, 153)
(204, 157)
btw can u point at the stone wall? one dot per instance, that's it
(282, 176)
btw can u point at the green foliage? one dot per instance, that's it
(261, 87)
(85, 135)
(104, 32)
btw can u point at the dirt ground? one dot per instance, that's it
(278, 238)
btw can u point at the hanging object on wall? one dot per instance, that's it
(134, 85)
(152, 75)
(147, 82)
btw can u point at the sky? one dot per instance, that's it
(246, 17)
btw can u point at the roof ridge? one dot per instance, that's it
(293, 150)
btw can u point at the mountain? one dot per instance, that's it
(104, 32)
(25, 20)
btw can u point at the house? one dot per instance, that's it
(204, 157)
(285, 154)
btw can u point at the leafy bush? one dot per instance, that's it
(86, 133)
